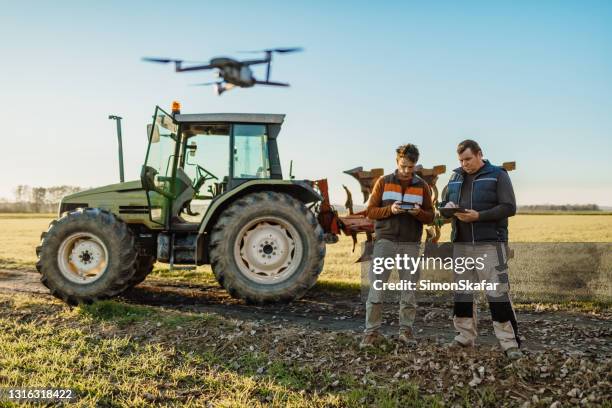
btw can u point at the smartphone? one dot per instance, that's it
(407, 206)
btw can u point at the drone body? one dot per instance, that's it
(232, 73)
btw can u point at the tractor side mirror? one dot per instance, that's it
(167, 122)
(155, 135)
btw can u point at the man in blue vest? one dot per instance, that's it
(481, 231)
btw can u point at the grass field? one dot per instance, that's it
(117, 354)
(20, 234)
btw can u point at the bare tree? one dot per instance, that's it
(22, 193)
(38, 198)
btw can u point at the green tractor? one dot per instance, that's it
(211, 191)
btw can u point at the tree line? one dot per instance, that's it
(36, 199)
(46, 199)
(563, 207)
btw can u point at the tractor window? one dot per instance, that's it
(206, 158)
(162, 145)
(251, 152)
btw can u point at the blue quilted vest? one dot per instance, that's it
(484, 197)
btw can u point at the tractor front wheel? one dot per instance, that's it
(86, 255)
(144, 266)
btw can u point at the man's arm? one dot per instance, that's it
(426, 214)
(506, 206)
(375, 211)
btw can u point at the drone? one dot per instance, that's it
(232, 73)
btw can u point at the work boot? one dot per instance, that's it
(406, 337)
(514, 353)
(371, 339)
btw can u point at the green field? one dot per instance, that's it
(112, 354)
(117, 354)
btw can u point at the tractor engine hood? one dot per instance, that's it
(123, 187)
(114, 197)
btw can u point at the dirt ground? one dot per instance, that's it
(343, 311)
(569, 354)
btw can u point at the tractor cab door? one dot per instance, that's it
(159, 172)
(206, 161)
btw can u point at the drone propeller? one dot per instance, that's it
(206, 84)
(278, 50)
(268, 57)
(271, 83)
(167, 60)
(160, 60)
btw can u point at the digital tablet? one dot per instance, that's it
(449, 211)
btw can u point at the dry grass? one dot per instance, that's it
(555, 228)
(561, 228)
(26, 215)
(19, 235)
(118, 355)
(340, 262)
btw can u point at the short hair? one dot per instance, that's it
(469, 144)
(408, 151)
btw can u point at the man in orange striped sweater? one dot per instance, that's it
(398, 232)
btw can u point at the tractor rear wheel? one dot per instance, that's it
(86, 255)
(267, 247)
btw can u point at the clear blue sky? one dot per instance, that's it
(530, 80)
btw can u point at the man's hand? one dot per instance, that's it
(468, 216)
(395, 208)
(415, 211)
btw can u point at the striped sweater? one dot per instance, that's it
(400, 227)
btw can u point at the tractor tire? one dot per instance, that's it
(267, 247)
(144, 266)
(86, 255)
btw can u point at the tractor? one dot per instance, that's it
(259, 232)
(211, 192)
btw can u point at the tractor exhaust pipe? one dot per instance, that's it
(118, 120)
